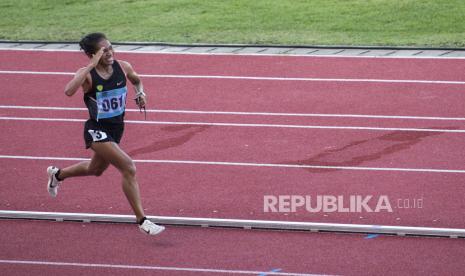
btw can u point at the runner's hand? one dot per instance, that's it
(141, 100)
(96, 57)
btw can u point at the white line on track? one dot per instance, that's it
(144, 267)
(242, 54)
(256, 78)
(176, 111)
(244, 125)
(193, 162)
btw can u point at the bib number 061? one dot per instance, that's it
(112, 104)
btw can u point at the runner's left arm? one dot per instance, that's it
(133, 77)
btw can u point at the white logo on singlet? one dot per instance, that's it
(97, 135)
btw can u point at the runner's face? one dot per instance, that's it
(107, 58)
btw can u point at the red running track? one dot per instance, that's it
(265, 145)
(246, 65)
(202, 248)
(261, 96)
(212, 189)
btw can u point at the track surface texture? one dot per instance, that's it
(222, 132)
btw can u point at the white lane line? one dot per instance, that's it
(256, 78)
(37, 73)
(178, 111)
(243, 54)
(59, 108)
(245, 125)
(144, 267)
(194, 162)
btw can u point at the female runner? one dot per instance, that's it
(103, 82)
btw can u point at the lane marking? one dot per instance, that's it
(36, 73)
(178, 111)
(253, 78)
(144, 267)
(245, 54)
(269, 165)
(245, 125)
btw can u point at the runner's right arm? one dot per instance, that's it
(82, 77)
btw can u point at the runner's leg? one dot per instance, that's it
(113, 154)
(96, 166)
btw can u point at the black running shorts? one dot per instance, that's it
(97, 132)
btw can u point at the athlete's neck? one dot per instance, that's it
(104, 68)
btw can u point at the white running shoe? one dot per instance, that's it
(151, 228)
(53, 183)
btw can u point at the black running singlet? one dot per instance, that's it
(106, 100)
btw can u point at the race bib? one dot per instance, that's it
(111, 103)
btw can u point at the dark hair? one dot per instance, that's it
(89, 43)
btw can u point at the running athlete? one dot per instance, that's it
(103, 82)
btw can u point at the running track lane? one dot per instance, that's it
(183, 119)
(325, 147)
(292, 252)
(414, 99)
(237, 192)
(246, 65)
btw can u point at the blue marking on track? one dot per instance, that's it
(273, 270)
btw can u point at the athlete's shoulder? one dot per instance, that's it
(83, 69)
(123, 62)
(126, 66)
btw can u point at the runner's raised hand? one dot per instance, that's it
(96, 57)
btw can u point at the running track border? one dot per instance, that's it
(249, 50)
(146, 267)
(245, 224)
